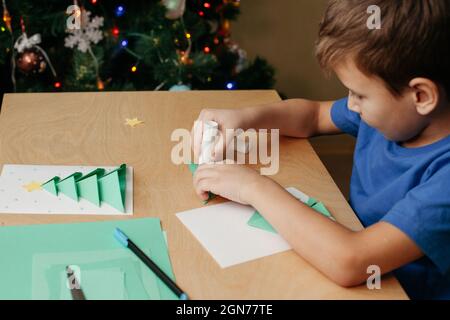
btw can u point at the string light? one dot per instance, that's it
(206, 49)
(124, 43)
(231, 85)
(207, 5)
(120, 11)
(115, 31)
(201, 13)
(57, 85)
(100, 85)
(93, 1)
(3, 29)
(188, 35)
(133, 69)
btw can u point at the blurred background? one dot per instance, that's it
(171, 45)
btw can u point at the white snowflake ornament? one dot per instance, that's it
(88, 33)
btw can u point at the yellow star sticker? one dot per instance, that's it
(33, 186)
(133, 122)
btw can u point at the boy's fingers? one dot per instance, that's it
(204, 173)
(202, 189)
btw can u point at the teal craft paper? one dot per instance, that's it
(68, 187)
(320, 207)
(87, 186)
(50, 185)
(258, 221)
(113, 188)
(193, 167)
(96, 186)
(19, 244)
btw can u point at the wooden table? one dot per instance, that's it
(88, 129)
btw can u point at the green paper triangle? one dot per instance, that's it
(319, 207)
(99, 172)
(68, 186)
(113, 188)
(50, 185)
(311, 202)
(193, 167)
(88, 188)
(258, 221)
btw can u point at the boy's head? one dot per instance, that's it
(398, 75)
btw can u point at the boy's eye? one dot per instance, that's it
(356, 96)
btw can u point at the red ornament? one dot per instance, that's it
(31, 61)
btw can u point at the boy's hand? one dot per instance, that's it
(232, 181)
(227, 119)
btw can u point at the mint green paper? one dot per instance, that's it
(20, 244)
(87, 186)
(258, 221)
(68, 186)
(50, 185)
(320, 207)
(88, 189)
(95, 186)
(113, 188)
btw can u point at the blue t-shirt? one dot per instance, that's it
(408, 188)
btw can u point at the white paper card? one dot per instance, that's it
(223, 231)
(14, 198)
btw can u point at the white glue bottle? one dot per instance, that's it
(210, 132)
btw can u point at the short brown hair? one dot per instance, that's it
(414, 40)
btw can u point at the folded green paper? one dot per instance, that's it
(258, 221)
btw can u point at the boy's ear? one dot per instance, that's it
(425, 94)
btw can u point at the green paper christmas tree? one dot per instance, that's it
(97, 186)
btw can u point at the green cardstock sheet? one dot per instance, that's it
(34, 259)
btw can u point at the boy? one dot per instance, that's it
(399, 110)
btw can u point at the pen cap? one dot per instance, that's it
(121, 237)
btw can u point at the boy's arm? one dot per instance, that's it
(341, 254)
(294, 117)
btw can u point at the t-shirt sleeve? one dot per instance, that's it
(424, 216)
(345, 119)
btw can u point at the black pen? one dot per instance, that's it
(126, 242)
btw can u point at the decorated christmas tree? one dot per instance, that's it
(91, 45)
